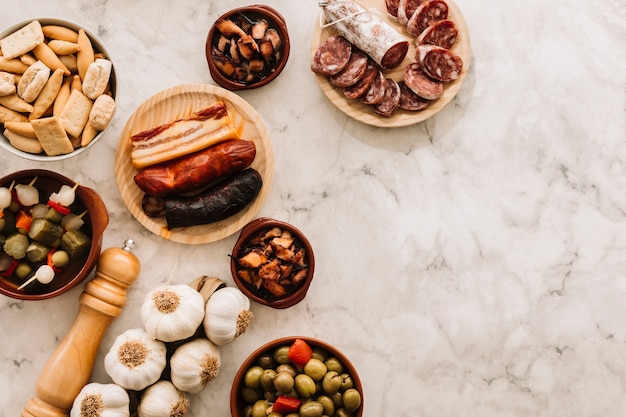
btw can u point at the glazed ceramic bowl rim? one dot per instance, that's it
(255, 226)
(88, 197)
(98, 45)
(314, 342)
(281, 25)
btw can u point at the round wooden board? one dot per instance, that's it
(364, 113)
(175, 103)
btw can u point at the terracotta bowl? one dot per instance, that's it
(272, 69)
(96, 221)
(98, 47)
(261, 295)
(238, 404)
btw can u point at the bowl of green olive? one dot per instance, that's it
(50, 233)
(296, 376)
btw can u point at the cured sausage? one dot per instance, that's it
(331, 56)
(219, 202)
(406, 8)
(353, 72)
(392, 7)
(391, 99)
(196, 170)
(439, 63)
(364, 84)
(409, 100)
(443, 33)
(422, 85)
(425, 15)
(376, 93)
(367, 31)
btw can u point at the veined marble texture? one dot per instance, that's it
(470, 265)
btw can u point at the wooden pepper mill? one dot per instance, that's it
(69, 368)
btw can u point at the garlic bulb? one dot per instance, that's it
(135, 360)
(194, 364)
(172, 312)
(163, 399)
(101, 400)
(227, 315)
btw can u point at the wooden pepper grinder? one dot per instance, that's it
(69, 368)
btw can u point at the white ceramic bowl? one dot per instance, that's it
(98, 46)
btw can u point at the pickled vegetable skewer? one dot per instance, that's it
(44, 274)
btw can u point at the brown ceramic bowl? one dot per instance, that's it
(272, 69)
(294, 293)
(98, 47)
(237, 403)
(96, 221)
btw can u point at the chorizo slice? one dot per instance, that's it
(439, 63)
(364, 84)
(353, 72)
(331, 56)
(406, 9)
(391, 99)
(392, 8)
(425, 15)
(443, 33)
(376, 92)
(422, 85)
(409, 100)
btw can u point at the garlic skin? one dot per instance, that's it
(194, 365)
(135, 360)
(172, 312)
(101, 400)
(163, 399)
(227, 315)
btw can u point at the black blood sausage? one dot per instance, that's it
(367, 31)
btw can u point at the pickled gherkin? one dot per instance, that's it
(75, 243)
(15, 245)
(44, 231)
(37, 252)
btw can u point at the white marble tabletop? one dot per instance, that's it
(470, 265)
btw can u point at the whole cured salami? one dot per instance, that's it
(439, 63)
(353, 72)
(331, 56)
(409, 100)
(367, 31)
(422, 85)
(425, 15)
(443, 33)
(391, 99)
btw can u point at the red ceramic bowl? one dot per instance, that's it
(96, 221)
(237, 404)
(295, 293)
(272, 69)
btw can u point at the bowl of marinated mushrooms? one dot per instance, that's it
(247, 47)
(57, 89)
(50, 233)
(297, 375)
(272, 263)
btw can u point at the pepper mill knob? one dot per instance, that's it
(70, 366)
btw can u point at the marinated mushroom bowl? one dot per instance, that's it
(272, 263)
(50, 233)
(247, 47)
(57, 89)
(297, 376)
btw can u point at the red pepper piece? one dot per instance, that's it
(50, 263)
(11, 268)
(299, 352)
(61, 209)
(23, 221)
(286, 405)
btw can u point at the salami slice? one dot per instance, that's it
(391, 99)
(426, 14)
(364, 84)
(443, 33)
(421, 84)
(376, 92)
(331, 56)
(409, 100)
(406, 8)
(367, 31)
(353, 72)
(392, 7)
(439, 63)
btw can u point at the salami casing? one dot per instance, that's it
(332, 56)
(443, 33)
(367, 31)
(425, 15)
(439, 63)
(422, 85)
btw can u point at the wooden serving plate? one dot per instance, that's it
(172, 104)
(365, 113)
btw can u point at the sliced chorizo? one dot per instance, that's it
(391, 99)
(376, 92)
(421, 84)
(353, 72)
(439, 63)
(360, 88)
(425, 15)
(443, 33)
(331, 56)
(409, 100)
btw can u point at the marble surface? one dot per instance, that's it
(470, 265)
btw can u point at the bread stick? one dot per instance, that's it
(23, 143)
(21, 128)
(15, 103)
(61, 47)
(46, 55)
(85, 56)
(8, 115)
(47, 95)
(61, 33)
(64, 94)
(14, 65)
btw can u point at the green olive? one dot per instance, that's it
(283, 382)
(274, 414)
(293, 415)
(315, 368)
(251, 395)
(311, 409)
(331, 382)
(334, 364)
(60, 258)
(265, 361)
(351, 399)
(305, 386)
(337, 399)
(281, 354)
(247, 411)
(267, 379)
(346, 381)
(319, 353)
(252, 378)
(259, 407)
(327, 403)
(22, 270)
(342, 412)
(287, 368)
